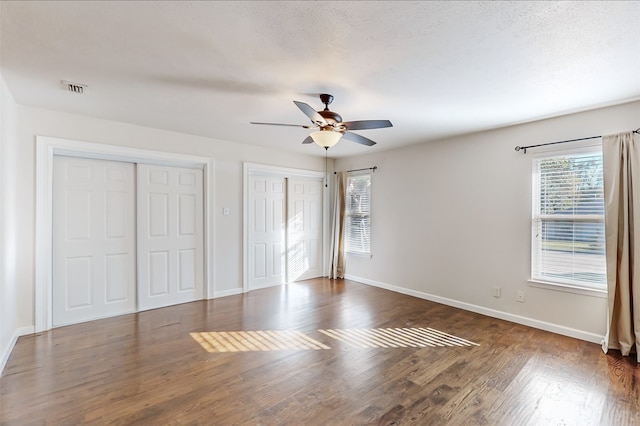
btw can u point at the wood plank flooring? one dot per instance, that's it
(146, 369)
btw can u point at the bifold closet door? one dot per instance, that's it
(94, 274)
(170, 236)
(284, 230)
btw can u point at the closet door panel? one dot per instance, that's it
(94, 273)
(170, 236)
(304, 252)
(266, 231)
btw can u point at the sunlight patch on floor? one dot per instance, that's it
(396, 338)
(250, 341)
(283, 340)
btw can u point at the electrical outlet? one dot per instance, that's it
(520, 296)
(497, 292)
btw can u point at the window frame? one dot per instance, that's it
(565, 286)
(348, 214)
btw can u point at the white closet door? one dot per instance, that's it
(304, 253)
(266, 231)
(93, 239)
(170, 236)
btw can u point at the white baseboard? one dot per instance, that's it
(225, 293)
(530, 322)
(23, 331)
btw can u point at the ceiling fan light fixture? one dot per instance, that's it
(330, 126)
(326, 138)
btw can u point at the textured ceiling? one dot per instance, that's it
(435, 69)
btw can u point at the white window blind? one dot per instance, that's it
(357, 214)
(568, 220)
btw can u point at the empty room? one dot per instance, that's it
(319, 212)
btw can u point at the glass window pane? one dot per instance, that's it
(568, 220)
(358, 226)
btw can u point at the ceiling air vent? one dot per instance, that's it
(74, 87)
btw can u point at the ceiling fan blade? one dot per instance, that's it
(367, 124)
(354, 137)
(310, 112)
(280, 124)
(308, 139)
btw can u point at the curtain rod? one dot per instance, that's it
(524, 148)
(374, 168)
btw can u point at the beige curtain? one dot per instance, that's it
(337, 256)
(621, 162)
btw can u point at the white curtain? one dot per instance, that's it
(621, 163)
(337, 255)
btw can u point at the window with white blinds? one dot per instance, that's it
(568, 221)
(357, 214)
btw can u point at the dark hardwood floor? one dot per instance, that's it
(146, 368)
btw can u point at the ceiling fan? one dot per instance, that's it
(330, 126)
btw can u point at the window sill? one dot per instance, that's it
(356, 254)
(567, 288)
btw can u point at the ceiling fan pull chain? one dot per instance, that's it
(326, 171)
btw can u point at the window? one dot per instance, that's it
(568, 221)
(357, 211)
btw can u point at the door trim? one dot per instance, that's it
(46, 148)
(254, 168)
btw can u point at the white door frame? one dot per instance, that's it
(253, 168)
(46, 148)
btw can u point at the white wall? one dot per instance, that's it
(229, 158)
(8, 217)
(451, 220)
